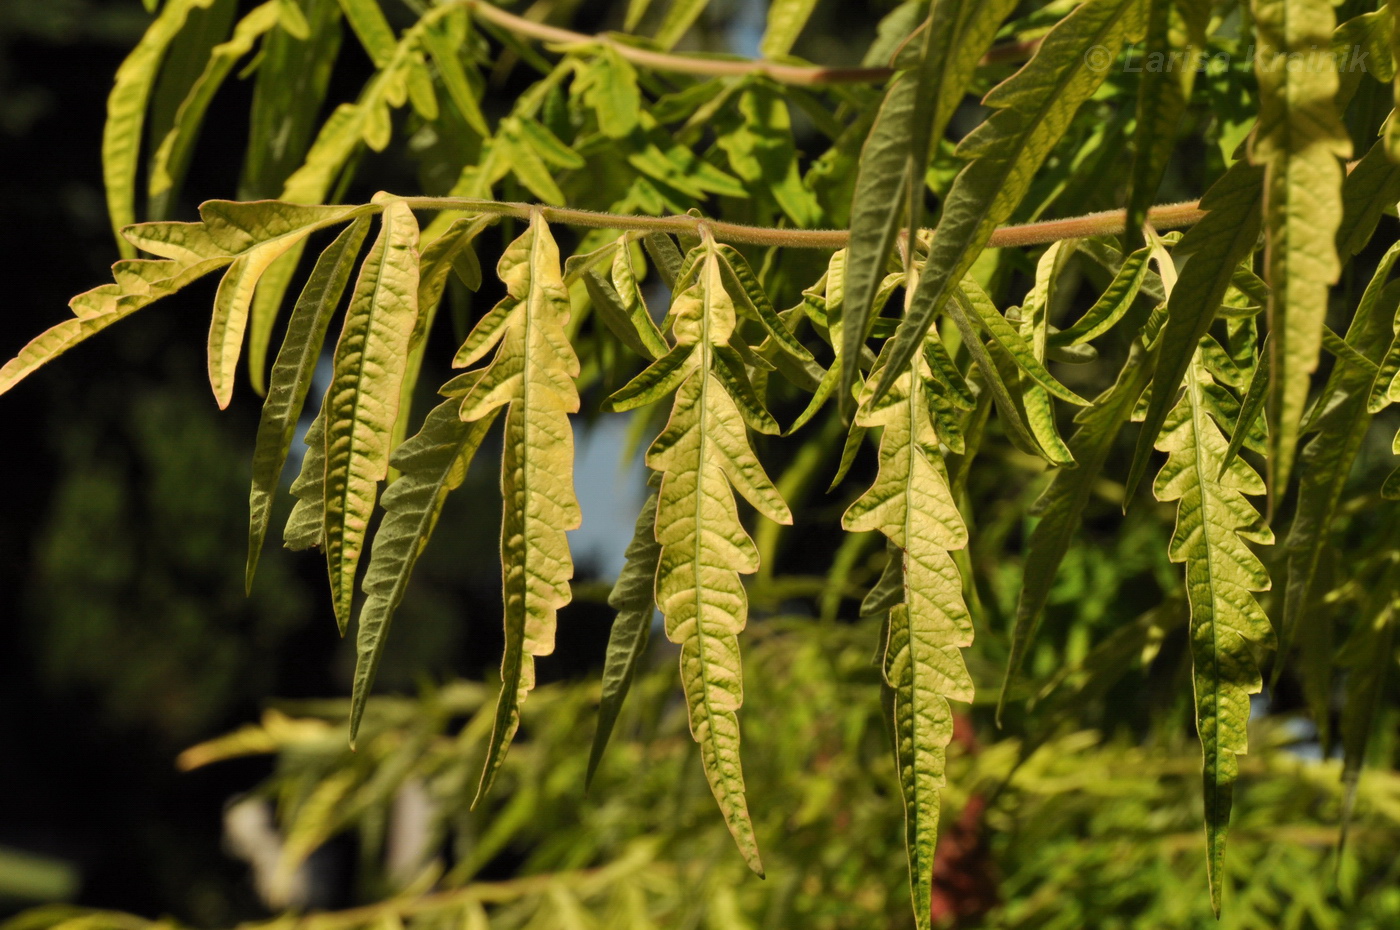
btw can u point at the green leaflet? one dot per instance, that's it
(762, 153)
(620, 306)
(372, 29)
(1298, 141)
(1014, 344)
(785, 21)
(1371, 184)
(1111, 306)
(532, 374)
(665, 257)
(1214, 519)
(1216, 245)
(613, 93)
(1033, 108)
(702, 451)
(881, 181)
(454, 78)
(743, 285)
(1326, 461)
(889, 183)
(291, 377)
(126, 114)
(363, 401)
(173, 153)
(1061, 506)
(680, 16)
(292, 78)
(450, 252)
(1392, 130)
(1390, 490)
(633, 596)
(180, 68)
(1162, 96)
(657, 380)
(964, 305)
(1369, 654)
(1250, 407)
(912, 505)
(306, 524)
(431, 465)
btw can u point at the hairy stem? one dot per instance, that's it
(1107, 223)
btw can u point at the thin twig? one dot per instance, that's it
(801, 75)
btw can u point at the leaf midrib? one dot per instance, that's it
(1198, 415)
(703, 373)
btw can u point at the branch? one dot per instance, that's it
(1107, 223)
(801, 75)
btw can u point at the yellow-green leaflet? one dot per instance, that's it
(1033, 108)
(1216, 245)
(1040, 413)
(291, 377)
(636, 9)
(912, 505)
(1392, 134)
(1298, 141)
(271, 229)
(1214, 519)
(703, 450)
(363, 401)
(431, 464)
(173, 153)
(633, 596)
(229, 233)
(763, 154)
(139, 282)
(533, 372)
(126, 114)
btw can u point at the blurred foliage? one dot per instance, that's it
(1079, 828)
